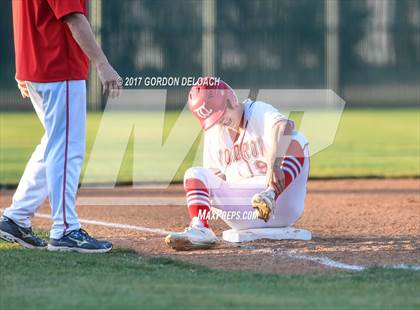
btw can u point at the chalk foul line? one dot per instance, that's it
(325, 261)
(335, 264)
(317, 259)
(157, 231)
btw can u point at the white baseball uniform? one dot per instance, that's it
(244, 164)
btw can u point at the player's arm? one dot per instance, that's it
(280, 141)
(82, 33)
(210, 160)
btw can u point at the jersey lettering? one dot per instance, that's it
(253, 149)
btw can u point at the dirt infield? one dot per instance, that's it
(355, 223)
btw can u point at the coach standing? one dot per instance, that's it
(53, 42)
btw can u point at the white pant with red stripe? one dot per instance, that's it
(235, 199)
(54, 168)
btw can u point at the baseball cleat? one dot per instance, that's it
(192, 238)
(12, 232)
(79, 241)
(264, 204)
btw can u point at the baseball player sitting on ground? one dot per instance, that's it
(255, 163)
(53, 45)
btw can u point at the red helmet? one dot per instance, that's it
(207, 100)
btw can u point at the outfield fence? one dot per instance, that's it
(368, 51)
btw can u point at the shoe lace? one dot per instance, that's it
(187, 229)
(85, 234)
(30, 231)
(199, 228)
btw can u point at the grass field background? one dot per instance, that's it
(380, 142)
(126, 280)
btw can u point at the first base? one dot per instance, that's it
(283, 233)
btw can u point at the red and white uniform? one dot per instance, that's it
(246, 157)
(244, 164)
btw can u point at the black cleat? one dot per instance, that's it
(12, 232)
(79, 241)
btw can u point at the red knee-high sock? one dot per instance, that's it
(198, 200)
(291, 167)
(292, 163)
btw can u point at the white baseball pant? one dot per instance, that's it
(236, 198)
(54, 168)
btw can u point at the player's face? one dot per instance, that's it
(231, 118)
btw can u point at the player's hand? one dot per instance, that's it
(275, 179)
(23, 88)
(110, 79)
(290, 126)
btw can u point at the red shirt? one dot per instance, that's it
(45, 49)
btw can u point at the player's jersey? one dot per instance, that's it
(45, 49)
(246, 158)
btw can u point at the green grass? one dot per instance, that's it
(126, 280)
(384, 143)
(381, 142)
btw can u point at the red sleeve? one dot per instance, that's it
(62, 8)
